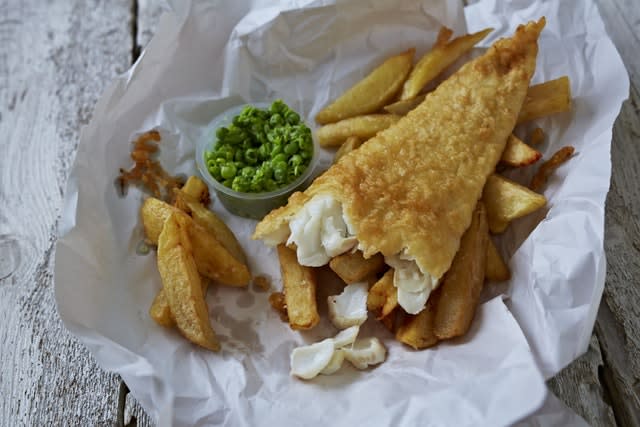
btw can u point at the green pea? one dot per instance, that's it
(266, 170)
(227, 182)
(238, 156)
(291, 148)
(277, 106)
(280, 174)
(228, 171)
(251, 156)
(222, 132)
(240, 184)
(215, 172)
(276, 120)
(270, 184)
(292, 117)
(263, 152)
(235, 137)
(295, 160)
(277, 149)
(256, 186)
(281, 157)
(247, 172)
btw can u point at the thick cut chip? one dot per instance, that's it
(353, 267)
(349, 145)
(506, 200)
(546, 169)
(209, 220)
(435, 61)
(496, 268)
(417, 331)
(196, 188)
(160, 310)
(299, 283)
(362, 127)
(394, 320)
(461, 287)
(402, 107)
(546, 98)
(278, 303)
(181, 282)
(212, 259)
(373, 92)
(383, 296)
(519, 154)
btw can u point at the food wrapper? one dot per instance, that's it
(207, 56)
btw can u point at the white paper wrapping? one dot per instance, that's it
(201, 60)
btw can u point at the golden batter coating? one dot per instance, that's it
(414, 186)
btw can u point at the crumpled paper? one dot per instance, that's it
(207, 56)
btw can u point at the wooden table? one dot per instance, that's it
(56, 58)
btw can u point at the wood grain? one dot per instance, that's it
(55, 59)
(579, 387)
(618, 322)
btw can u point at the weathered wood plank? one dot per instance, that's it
(580, 388)
(55, 59)
(77, 47)
(618, 323)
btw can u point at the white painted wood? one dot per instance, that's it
(55, 59)
(618, 323)
(579, 387)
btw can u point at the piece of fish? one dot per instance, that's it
(411, 189)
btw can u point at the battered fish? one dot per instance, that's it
(409, 192)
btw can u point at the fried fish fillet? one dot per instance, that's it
(411, 190)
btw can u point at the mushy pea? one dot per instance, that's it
(262, 150)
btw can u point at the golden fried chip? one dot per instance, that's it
(496, 269)
(519, 154)
(278, 303)
(435, 61)
(383, 296)
(362, 127)
(160, 310)
(506, 200)
(372, 93)
(299, 283)
(546, 169)
(213, 259)
(546, 98)
(462, 284)
(352, 267)
(196, 188)
(181, 282)
(210, 221)
(417, 331)
(402, 107)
